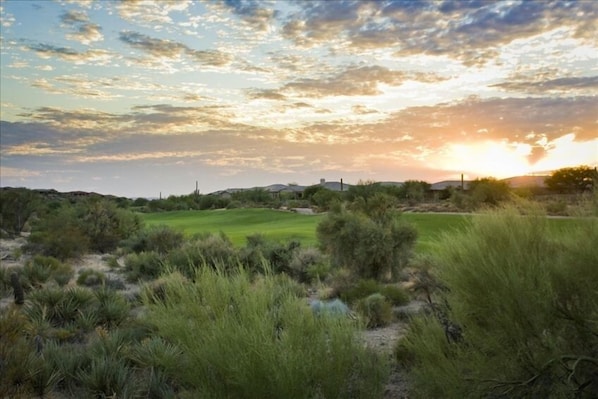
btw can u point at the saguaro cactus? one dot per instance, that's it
(17, 288)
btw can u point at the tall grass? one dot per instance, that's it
(258, 339)
(527, 303)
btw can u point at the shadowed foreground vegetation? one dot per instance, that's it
(179, 309)
(514, 313)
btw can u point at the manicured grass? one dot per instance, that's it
(237, 224)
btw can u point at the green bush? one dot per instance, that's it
(59, 234)
(91, 277)
(396, 295)
(160, 239)
(372, 242)
(38, 270)
(143, 266)
(527, 305)
(247, 339)
(308, 265)
(211, 250)
(112, 308)
(14, 353)
(261, 250)
(376, 310)
(360, 289)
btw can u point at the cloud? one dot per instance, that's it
(470, 31)
(68, 54)
(264, 94)
(151, 13)
(85, 32)
(17, 172)
(355, 81)
(252, 13)
(161, 48)
(587, 84)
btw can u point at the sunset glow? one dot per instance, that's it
(136, 98)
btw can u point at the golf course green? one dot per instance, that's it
(237, 224)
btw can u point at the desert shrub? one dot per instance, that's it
(105, 225)
(488, 191)
(14, 353)
(308, 264)
(376, 310)
(59, 234)
(91, 277)
(360, 289)
(526, 303)
(143, 266)
(160, 239)
(242, 341)
(112, 308)
(210, 250)
(38, 270)
(108, 376)
(62, 274)
(556, 207)
(161, 361)
(58, 307)
(260, 250)
(17, 205)
(396, 295)
(372, 242)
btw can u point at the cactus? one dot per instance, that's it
(17, 288)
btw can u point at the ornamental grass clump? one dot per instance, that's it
(256, 338)
(525, 300)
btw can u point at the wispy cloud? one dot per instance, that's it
(171, 49)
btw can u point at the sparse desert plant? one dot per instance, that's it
(161, 239)
(241, 340)
(376, 310)
(308, 264)
(108, 376)
(143, 266)
(372, 240)
(362, 288)
(112, 308)
(160, 362)
(41, 375)
(91, 278)
(526, 302)
(14, 352)
(396, 295)
(62, 274)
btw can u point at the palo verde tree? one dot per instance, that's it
(573, 180)
(368, 237)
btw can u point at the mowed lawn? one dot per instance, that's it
(237, 224)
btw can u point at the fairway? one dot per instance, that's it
(237, 224)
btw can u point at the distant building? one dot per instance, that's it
(445, 184)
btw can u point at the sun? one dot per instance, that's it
(502, 159)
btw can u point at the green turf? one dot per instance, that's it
(237, 224)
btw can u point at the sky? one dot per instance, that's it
(145, 98)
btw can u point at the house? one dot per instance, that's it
(277, 190)
(334, 185)
(445, 184)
